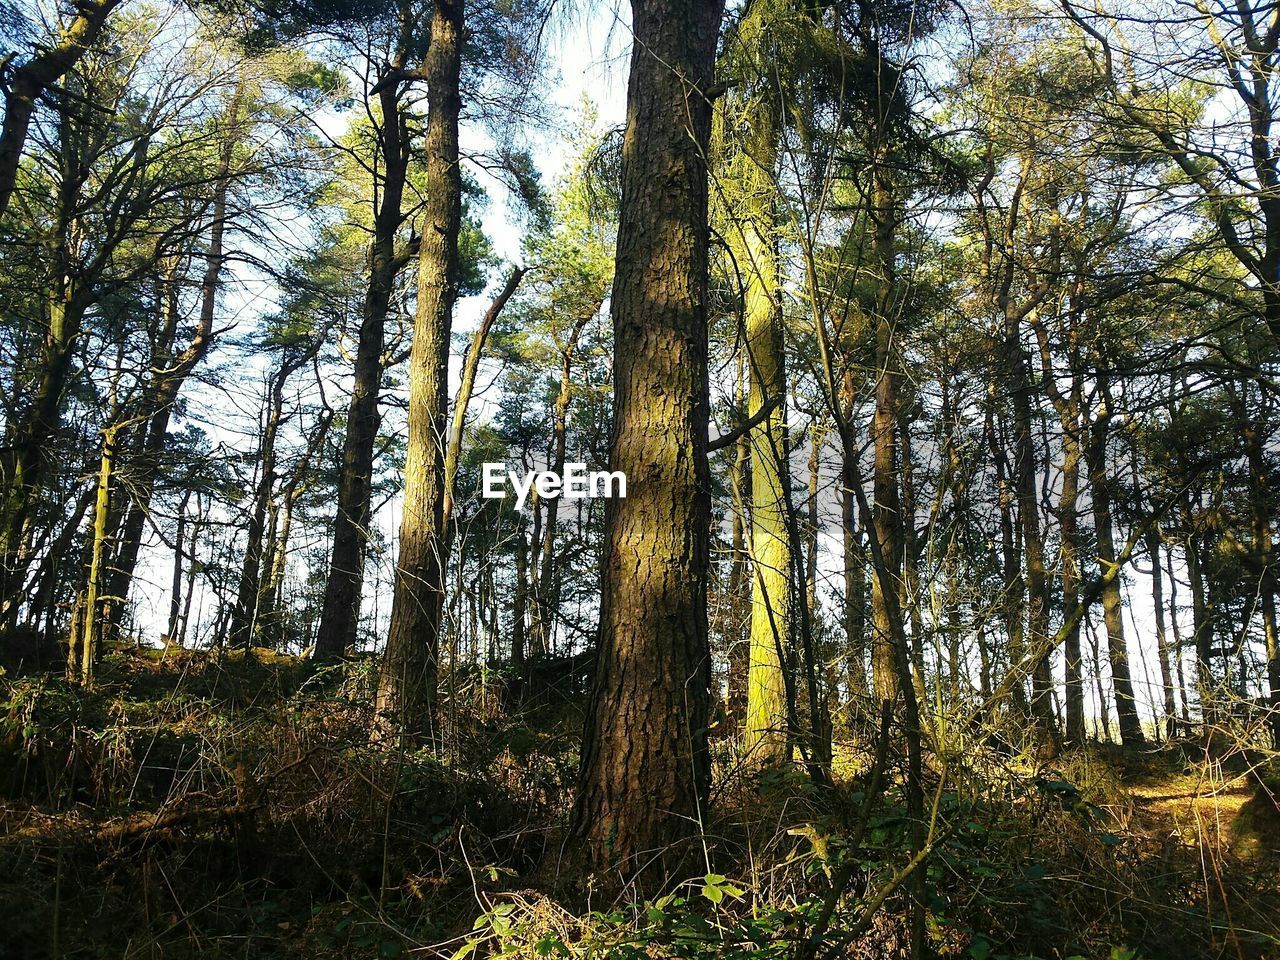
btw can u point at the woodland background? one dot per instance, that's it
(938, 343)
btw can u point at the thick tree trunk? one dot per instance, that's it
(645, 767)
(407, 682)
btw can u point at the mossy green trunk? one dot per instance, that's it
(753, 241)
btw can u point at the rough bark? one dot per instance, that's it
(645, 768)
(406, 696)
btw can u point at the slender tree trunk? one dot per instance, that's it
(26, 84)
(1037, 580)
(171, 372)
(817, 438)
(407, 682)
(645, 767)
(855, 567)
(1069, 552)
(1013, 589)
(1203, 626)
(911, 561)
(1162, 638)
(739, 601)
(1260, 522)
(1068, 407)
(340, 613)
(519, 602)
(753, 239)
(245, 615)
(175, 590)
(1112, 604)
(1104, 706)
(277, 551)
(887, 509)
(25, 456)
(91, 622)
(548, 576)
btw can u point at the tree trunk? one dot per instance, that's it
(91, 621)
(26, 84)
(1203, 626)
(548, 598)
(175, 591)
(340, 613)
(855, 569)
(1112, 604)
(1162, 638)
(245, 616)
(1069, 553)
(407, 681)
(1024, 477)
(766, 738)
(739, 600)
(170, 373)
(887, 510)
(519, 602)
(645, 770)
(277, 551)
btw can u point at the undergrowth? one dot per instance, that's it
(237, 806)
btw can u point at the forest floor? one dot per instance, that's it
(198, 806)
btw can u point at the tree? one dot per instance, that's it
(407, 679)
(645, 770)
(24, 86)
